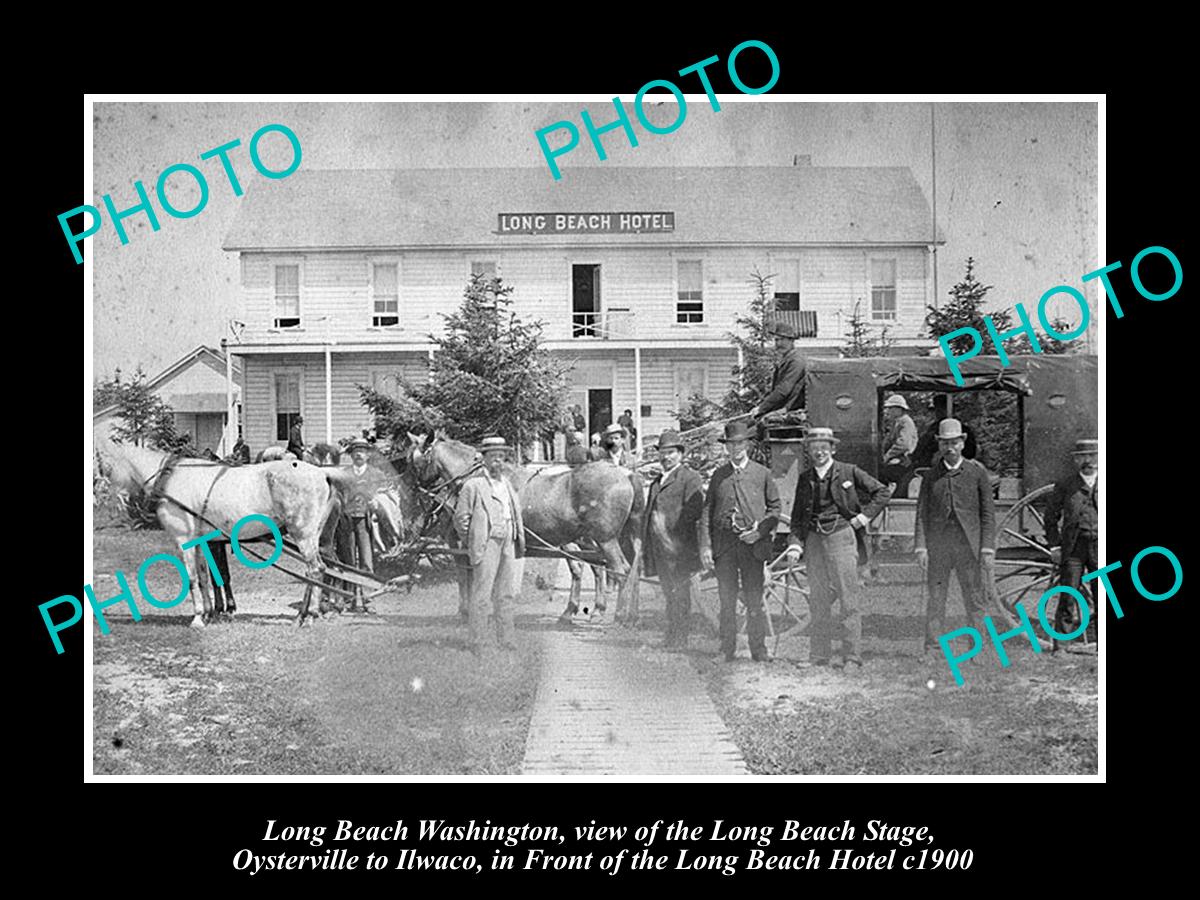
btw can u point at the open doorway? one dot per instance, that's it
(585, 300)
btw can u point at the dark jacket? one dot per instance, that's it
(672, 521)
(241, 453)
(848, 483)
(1067, 503)
(295, 442)
(787, 384)
(754, 493)
(360, 491)
(973, 504)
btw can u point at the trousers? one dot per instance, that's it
(950, 551)
(676, 586)
(738, 564)
(492, 585)
(834, 594)
(362, 538)
(1082, 558)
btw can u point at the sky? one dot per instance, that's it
(1016, 185)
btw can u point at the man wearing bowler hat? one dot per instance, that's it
(834, 503)
(488, 518)
(1073, 529)
(672, 538)
(787, 381)
(737, 525)
(955, 530)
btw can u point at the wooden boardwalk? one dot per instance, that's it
(607, 707)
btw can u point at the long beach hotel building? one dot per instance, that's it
(637, 275)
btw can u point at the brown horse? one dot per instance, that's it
(199, 496)
(562, 507)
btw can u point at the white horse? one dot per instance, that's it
(297, 496)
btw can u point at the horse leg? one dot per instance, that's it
(620, 572)
(202, 604)
(314, 568)
(576, 570)
(600, 579)
(221, 554)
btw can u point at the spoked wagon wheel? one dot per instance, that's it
(1024, 567)
(785, 593)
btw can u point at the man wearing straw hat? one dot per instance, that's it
(899, 443)
(955, 530)
(613, 447)
(488, 518)
(1073, 528)
(672, 537)
(834, 503)
(736, 531)
(787, 380)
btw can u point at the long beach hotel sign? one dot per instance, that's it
(587, 223)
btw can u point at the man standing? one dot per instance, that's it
(927, 446)
(488, 518)
(613, 447)
(736, 530)
(363, 483)
(672, 539)
(626, 422)
(577, 419)
(899, 443)
(295, 444)
(955, 530)
(829, 525)
(787, 381)
(1073, 530)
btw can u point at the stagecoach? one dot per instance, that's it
(1055, 401)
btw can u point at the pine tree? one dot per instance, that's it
(965, 311)
(145, 419)
(752, 379)
(859, 341)
(489, 376)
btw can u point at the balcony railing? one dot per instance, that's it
(609, 325)
(804, 320)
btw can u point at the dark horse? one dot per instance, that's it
(597, 503)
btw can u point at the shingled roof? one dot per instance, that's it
(394, 209)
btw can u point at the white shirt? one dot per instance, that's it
(501, 495)
(822, 471)
(358, 470)
(1090, 482)
(667, 473)
(741, 468)
(951, 468)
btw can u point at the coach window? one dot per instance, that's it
(689, 309)
(883, 290)
(385, 294)
(287, 403)
(287, 295)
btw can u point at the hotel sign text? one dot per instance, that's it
(587, 223)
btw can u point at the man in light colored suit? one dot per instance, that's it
(488, 518)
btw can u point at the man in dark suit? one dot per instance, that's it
(1073, 530)
(295, 444)
(787, 381)
(955, 530)
(364, 482)
(927, 445)
(736, 531)
(672, 539)
(829, 525)
(241, 453)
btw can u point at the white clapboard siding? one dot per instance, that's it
(334, 286)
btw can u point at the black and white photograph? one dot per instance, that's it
(553, 439)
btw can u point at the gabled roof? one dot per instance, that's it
(206, 353)
(376, 209)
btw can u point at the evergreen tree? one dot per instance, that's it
(965, 311)
(859, 341)
(489, 376)
(752, 379)
(146, 420)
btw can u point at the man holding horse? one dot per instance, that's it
(737, 527)
(488, 518)
(672, 539)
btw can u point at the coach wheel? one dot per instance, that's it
(1024, 568)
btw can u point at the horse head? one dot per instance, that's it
(127, 468)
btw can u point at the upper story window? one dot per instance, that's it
(787, 286)
(287, 296)
(883, 290)
(690, 307)
(385, 294)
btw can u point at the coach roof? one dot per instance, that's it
(376, 209)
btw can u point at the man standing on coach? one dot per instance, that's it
(1073, 530)
(736, 532)
(672, 538)
(955, 530)
(488, 518)
(830, 522)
